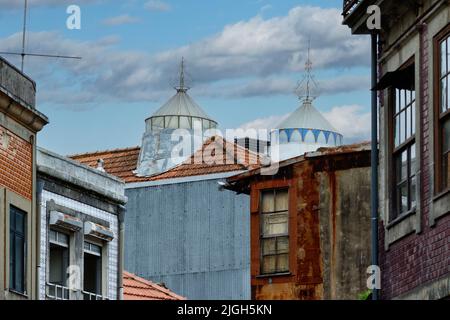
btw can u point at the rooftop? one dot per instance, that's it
(123, 162)
(136, 288)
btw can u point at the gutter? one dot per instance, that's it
(121, 217)
(39, 189)
(374, 158)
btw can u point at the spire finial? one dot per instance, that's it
(182, 86)
(307, 89)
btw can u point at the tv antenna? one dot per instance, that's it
(23, 54)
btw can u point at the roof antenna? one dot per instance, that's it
(182, 86)
(23, 54)
(307, 89)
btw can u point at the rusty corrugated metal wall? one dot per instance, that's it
(191, 236)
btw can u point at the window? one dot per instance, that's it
(92, 268)
(59, 261)
(17, 249)
(443, 125)
(404, 152)
(274, 231)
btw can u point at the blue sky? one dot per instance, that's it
(244, 58)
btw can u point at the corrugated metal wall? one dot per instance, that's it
(191, 236)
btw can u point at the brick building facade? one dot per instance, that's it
(19, 228)
(414, 68)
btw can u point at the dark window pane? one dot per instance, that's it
(446, 135)
(444, 93)
(443, 58)
(413, 160)
(408, 123)
(413, 192)
(402, 127)
(404, 198)
(397, 131)
(19, 264)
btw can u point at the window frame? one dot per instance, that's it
(61, 244)
(99, 255)
(13, 233)
(396, 151)
(263, 237)
(440, 116)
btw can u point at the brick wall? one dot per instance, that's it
(16, 156)
(424, 257)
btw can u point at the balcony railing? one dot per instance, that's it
(57, 292)
(349, 6)
(93, 296)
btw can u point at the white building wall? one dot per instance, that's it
(87, 210)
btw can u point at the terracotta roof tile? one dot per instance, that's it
(209, 160)
(136, 288)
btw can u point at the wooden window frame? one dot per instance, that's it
(440, 116)
(277, 236)
(396, 151)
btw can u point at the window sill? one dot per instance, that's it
(273, 275)
(21, 294)
(400, 218)
(441, 206)
(401, 227)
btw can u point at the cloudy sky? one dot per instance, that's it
(244, 59)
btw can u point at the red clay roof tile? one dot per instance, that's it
(136, 288)
(209, 160)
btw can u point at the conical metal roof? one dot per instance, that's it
(181, 104)
(306, 117)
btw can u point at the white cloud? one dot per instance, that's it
(258, 53)
(352, 121)
(157, 5)
(120, 20)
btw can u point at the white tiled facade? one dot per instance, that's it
(87, 210)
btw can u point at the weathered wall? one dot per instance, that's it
(329, 229)
(345, 232)
(191, 236)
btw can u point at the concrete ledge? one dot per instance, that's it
(73, 172)
(435, 290)
(441, 206)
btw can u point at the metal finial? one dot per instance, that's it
(307, 89)
(182, 85)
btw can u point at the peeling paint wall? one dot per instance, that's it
(329, 223)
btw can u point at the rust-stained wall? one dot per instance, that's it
(329, 223)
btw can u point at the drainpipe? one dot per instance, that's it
(121, 217)
(39, 188)
(374, 157)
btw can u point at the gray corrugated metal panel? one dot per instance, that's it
(189, 228)
(219, 285)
